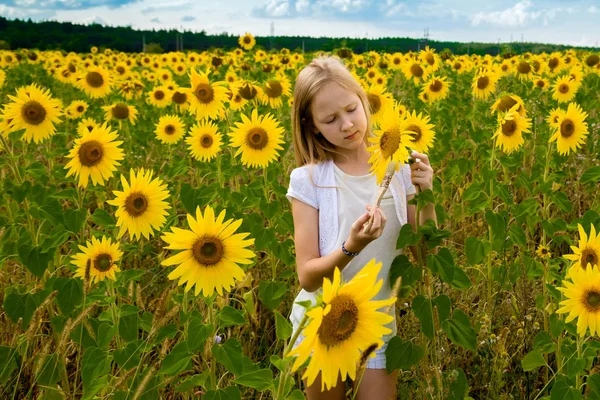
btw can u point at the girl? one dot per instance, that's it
(329, 192)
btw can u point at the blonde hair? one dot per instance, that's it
(310, 148)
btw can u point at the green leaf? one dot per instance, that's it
(423, 310)
(283, 328)
(543, 343)
(442, 304)
(70, 294)
(197, 332)
(461, 280)
(474, 250)
(442, 264)
(296, 395)
(129, 356)
(168, 331)
(102, 217)
(260, 380)
(593, 384)
(432, 235)
(23, 305)
(50, 372)
(557, 326)
(35, 259)
(74, 219)
(229, 393)
(517, 235)
(402, 268)
(278, 362)
(421, 199)
(128, 327)
(177, 360)
(533, 360)
(472, 192)
(8, 363)
(459, 388)
(230, 355)
(271, 293)
(563, 391)
(229, 316)
(407, 237)
(592, 175)
(193, 381)
(562, 201)
(402, 354)
(459, 330)
(95, 362)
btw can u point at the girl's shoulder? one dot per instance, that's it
(312, 172)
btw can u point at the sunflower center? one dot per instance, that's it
(563, 88)
(208, 251)
(94, 79)
(341, 321)
(179, 97)
(103, 262)
(567, 128)
(553, 63)
(416, 70)
(120, 111)
(80, 109)
(589, 256)
(509, 128)
(483, 82)
(389, 143)
(204, 92)
(247, 40)
(429, 58)
(506, 103)
(90, 153)
(417, 131)
(169, 129)
(206, 141)
(159, 95)
(592, 60)
(436, 86)
(248, 92)
(136, 204)
(120, 70)
(273, 89)
(540, 83)
(592, 301)
(257, 138)
(524, 67)
(33, 113)
(457, 65)
(374, 103)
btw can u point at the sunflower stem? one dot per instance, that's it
(491, 234)
(286, 370)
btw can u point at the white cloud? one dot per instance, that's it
(277, 8)
(302, 6)
(518, 15)
(593, 9)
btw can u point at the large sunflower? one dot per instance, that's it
(379, 102)
(247, 41)
(509, 135)
(524, 71)
(204, 141)
(484, 84)
(587, 254)
(211, 252)
(257, 139)
(95, 154)
(142, 208)
(169, 129)
(159, 97)
(34, 110)
(76, 109)
(389, 143)
(572, 129)
(343, 327)
(422, 132)
(415, 71)
(583, 300)
(564, 89)
(98, 260)
(96, 82)
(120, 112)
(208, 97)
(274, 90)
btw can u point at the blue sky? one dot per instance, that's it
(570, 22)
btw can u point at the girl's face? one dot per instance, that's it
(340, 117)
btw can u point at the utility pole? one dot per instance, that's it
(272, 34)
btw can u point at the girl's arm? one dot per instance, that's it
(312, 268)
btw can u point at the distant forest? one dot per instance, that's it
(16, 34)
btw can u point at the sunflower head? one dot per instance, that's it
(97, 260)
(587, 254)
(582, 299)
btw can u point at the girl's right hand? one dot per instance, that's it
(358, 239)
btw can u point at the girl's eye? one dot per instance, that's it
(330, 121)
(354, 109)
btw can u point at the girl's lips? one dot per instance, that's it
(351, 136)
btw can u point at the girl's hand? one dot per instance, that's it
(421, 171)
(358, 239)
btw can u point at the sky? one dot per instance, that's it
(569, 22)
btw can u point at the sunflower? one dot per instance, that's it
(554, 116)
(583, 300)
(142, 208)
(506, 102)
(511, 126)
(208, 97)
(343, 327)
(237, 102)
(98, 260)
(592, 60)
(211, 252)
(587, 254)
(389, 142)
(422, 133)
(572, 129)
(524, 71)
(169, 129)
(415, 70)
(86, 125)
(76, 109)
(204, 141)
(436, 89)
(247, 41)
(379, 102)
(484, 84)
(131, 88)
(95, 154)
(248, 90)
(96, 82)
(257, 139)
(121, 70)
(429, 57)
(543, 252)
(159, 96)
(564, 89)
(120, 112)
(555, 63)
(34, 110)
(274, 90)
(505, 68)
(541, 83)
(2, 77)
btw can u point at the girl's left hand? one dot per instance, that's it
(421, 171)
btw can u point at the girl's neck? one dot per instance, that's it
(354, 162)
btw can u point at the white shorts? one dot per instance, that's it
(377, 362)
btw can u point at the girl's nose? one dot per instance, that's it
(347, 124)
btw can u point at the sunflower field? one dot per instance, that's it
(146, 243)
